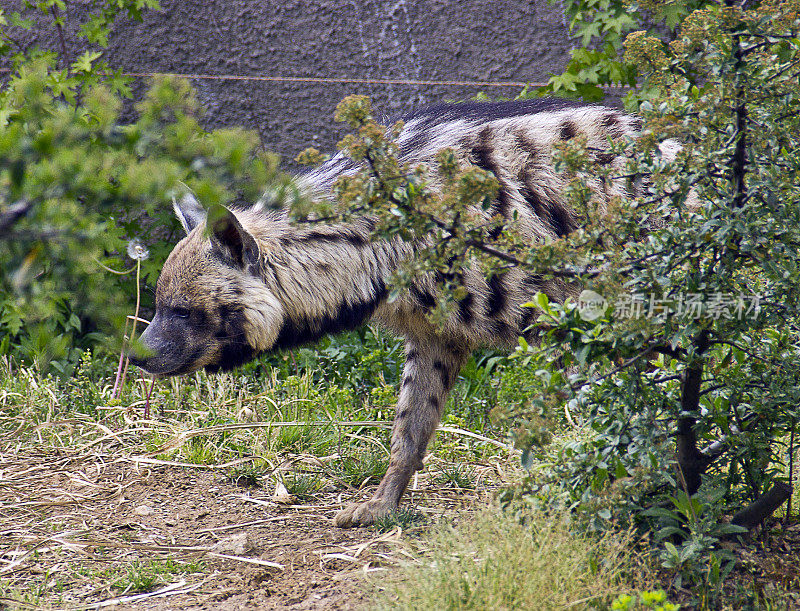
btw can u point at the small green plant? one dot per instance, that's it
(303, 486)
(404, 518)
(304, 438)
(456, 476)
(200, 450)
(654, 599)
(361, 469)
(690, 534)
(143, 576)
(140, 577)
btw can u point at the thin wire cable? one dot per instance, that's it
(342, 80)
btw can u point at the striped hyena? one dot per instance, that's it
(254, 282)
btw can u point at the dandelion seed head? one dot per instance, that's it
(137, 251)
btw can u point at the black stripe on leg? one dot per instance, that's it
(444, 374)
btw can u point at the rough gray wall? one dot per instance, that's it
(474, 40)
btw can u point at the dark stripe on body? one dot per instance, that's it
(346, 235)
(528, 317)
(484, 159)
(497, 296)
(611, 123)
(602, 157)
(348, 316)
(567, 131)
(527, 145)
(465, 309)
(551, 212)
(422, 297)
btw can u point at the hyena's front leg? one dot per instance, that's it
(429, 373)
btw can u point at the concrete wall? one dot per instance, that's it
(468, 40)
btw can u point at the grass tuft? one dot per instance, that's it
(404, 518)
(362, 468)
(303, 486)
(457, 476)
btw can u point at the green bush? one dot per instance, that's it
(81, 191)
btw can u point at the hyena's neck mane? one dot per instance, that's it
(327, 278)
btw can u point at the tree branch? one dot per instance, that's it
(763, 507)
(11, 214)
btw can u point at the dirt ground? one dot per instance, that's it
(73, 529)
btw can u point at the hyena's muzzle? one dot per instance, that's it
(167, 348)
(182, 340)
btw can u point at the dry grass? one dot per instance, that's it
(493, 561)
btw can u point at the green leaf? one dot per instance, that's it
(660, 512)
(543, 301)
(16, 20)
(84, 62)
(673, 551)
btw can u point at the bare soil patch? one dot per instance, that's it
(92, 530)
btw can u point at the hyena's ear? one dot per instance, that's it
(189, 211)
(231, 240)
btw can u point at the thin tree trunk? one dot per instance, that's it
(692, 463)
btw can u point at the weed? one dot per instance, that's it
(201, 451)
(359, 470)
(456, 476)
(146, 576)
(139, 577)
(302, 486)
(404, 518)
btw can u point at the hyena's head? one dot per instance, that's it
(213, 309)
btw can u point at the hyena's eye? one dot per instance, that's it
(181, 312)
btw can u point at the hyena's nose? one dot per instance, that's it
(139, 362)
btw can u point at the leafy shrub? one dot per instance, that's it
(77, 185)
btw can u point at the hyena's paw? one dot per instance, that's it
(363, 514)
